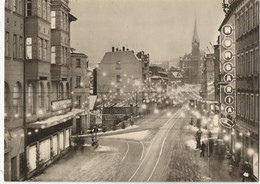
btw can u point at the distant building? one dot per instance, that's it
(191, 63)
(79, 82)
(207, 83)
(120, 76)
(175, 76)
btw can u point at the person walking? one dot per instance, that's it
(202, 149)
(247, 174)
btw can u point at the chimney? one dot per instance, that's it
(116, 49)
(113, 49)
(123, 48)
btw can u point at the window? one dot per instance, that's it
(118, 91)
(15, 46)
(257, 13)
(65, 56)
(40, 46)
(53, 54)
(78, 63)
(78, 100)
(7, 2)
(6, 43)
(7, 97)
(45, 43)
(21, 47)
(16, 100)
(256, 108)
(53, 19)
(29, 8)
(44, 9)
(48, 97)
(63, 20)
(251, 111)
(30, 99)
(61, 91)
(118, 65)
(41, 96)
(15, 5)
(118, 78)
(28, 48)
(256, 61)
(251, 62)
(238, 103)
(78, 81)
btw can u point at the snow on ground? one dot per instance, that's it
(141, 135)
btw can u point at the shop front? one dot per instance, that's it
(48, 140)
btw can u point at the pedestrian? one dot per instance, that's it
(202, 149)
(247, 174)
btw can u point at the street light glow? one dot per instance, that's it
(156, 111)
(238, 145)
(169, 114)
(226, 137)
(250, 151)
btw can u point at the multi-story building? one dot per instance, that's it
(247, 75)
(207, 83)
(38, 110)
(80, 86)
(243, 15)
(120, 76)
(191, 63)
(14, 86)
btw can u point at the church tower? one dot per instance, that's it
(195, 41)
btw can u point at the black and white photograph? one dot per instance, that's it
(129, 90)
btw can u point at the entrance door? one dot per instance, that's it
(78, 125)
(14, 169)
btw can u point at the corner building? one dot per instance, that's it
(37, 48)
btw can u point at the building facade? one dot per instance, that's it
(191, 63)
(37, 86)
(80, 86)
(120, 76)
(242, 17)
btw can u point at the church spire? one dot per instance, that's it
(195, 33)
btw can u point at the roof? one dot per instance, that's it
(177, 75)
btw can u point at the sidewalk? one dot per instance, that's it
(219, 170)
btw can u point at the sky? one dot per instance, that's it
(162, 28)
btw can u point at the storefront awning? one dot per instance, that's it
(55, 120)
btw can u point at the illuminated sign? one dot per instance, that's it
(61, 104)
(228, 67)
(229, 109)
(228, 89)
(225, 122)
(229, 100)
(227, 30)
(228, 78)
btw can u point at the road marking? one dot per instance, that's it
(161, 150)
(175, 114)
(143, 150)
(126, 151)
